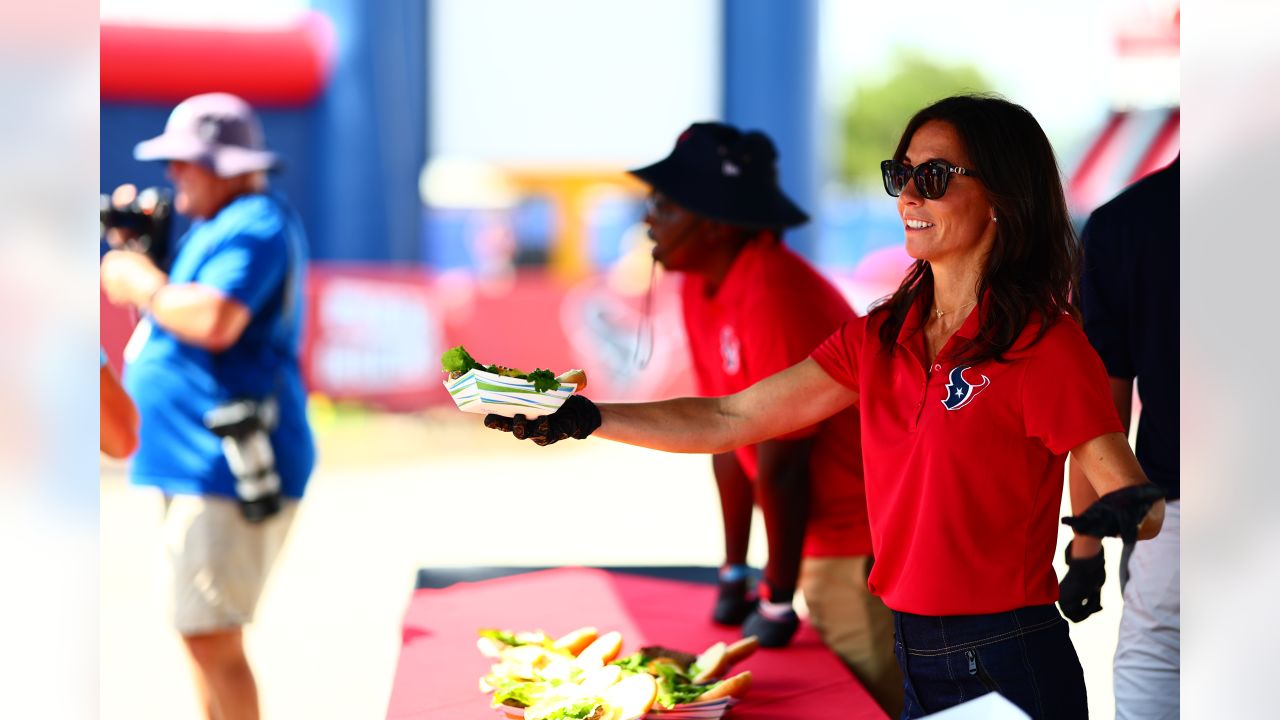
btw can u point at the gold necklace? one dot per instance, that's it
(940, 312)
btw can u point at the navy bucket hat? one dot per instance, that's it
(722, 173)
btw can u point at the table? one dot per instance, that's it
(439, 668)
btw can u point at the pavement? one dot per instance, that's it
(393, 493)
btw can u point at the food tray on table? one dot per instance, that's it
(582, 675)
(705, 710)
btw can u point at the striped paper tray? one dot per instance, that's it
(705, 710)
(484, 392)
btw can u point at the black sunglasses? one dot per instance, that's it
(931, 177)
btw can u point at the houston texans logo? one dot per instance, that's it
(959, 391)
(730, 350)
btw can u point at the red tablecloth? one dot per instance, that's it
(439, 665)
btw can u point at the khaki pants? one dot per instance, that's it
(1148, 661)
(218, 561)
(854, 623)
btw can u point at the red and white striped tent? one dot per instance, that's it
(1140, 136)
(1129, 146)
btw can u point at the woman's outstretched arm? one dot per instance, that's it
(795, 398)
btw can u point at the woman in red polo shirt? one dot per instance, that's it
(973, 381)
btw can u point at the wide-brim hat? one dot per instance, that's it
(724, 174)
(217, 130)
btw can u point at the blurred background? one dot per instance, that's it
(459, 167)
(456, 162)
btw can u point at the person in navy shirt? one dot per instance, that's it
(220, 329)
(1129, 298)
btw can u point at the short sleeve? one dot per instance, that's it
(248, 268)
(838, 354)
(1104, 285)
(1066, 397)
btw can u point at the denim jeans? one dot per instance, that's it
(1025, 655)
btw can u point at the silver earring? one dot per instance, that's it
(995, 219)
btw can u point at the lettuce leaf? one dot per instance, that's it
(457, 360)
(502, 636)
(631, 664)
(543, 380)
(577, 710)
(522, 694)
(674, 686)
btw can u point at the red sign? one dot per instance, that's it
(372, 336)
(375, 333)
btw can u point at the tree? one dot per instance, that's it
(873, 119)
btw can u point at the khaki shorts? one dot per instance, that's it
(218, 561)
(855, 624)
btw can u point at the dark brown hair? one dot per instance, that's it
(1034, 263)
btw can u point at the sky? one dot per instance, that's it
(1051, 57)
(587, 76)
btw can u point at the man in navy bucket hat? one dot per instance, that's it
(722, 174)
(752, 307)
(213, 369)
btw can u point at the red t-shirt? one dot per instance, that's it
(964, 465)
(771, 310)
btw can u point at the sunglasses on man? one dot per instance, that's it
(931, 177)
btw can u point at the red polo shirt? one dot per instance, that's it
(964, 465)
(771, 310)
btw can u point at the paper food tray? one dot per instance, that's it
(705, 710)
(483, 392)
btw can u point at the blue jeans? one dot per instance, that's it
(1025, 655)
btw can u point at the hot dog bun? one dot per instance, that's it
(596, 682)
(576, 641)
(574, 377)
(734, 687)
(489, 647)
(741, 650)
(633, 696)
(711, 664)
(603, 650)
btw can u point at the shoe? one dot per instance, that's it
(733, 603)
(771, 633)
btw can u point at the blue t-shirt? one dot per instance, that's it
(1129, 296)
(246, 251)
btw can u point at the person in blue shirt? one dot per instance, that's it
(213, 370)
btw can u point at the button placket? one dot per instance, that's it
(924, 397)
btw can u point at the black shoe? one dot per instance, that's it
(771, 633)
(733, 603)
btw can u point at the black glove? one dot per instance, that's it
(577, 418)
(1117, 513)
(1080, 592)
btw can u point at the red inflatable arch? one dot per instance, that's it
(280, 66)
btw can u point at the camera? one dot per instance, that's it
(244, 427)
(144, 218)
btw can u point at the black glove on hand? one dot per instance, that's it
(577, 418)
(1117, 513)
(1080, 592)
